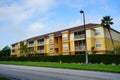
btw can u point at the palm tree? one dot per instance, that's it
(24, 49)
(31, 50)
(106, 22)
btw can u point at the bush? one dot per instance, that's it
(94, 58)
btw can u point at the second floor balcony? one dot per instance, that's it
(31, 45)
(79, 47)
(40, 51)
(13, 47)
(41, 42)
(79, 36)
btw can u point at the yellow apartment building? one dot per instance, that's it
(70, 41)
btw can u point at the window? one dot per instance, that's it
(40, 49)
(79, 34)
(51, 47)
(31, 43)
(97, 32)
(13, 46)
(98, 44)
(65, 46)
(65, 36)
(51, 39)
(41, 41)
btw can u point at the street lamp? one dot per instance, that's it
(86, 54)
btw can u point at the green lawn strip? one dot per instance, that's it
(96, 67)
(3, 78)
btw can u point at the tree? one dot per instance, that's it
(106, 22)
(117, 49)
(24, 49)
(31, 50)
(5, 51)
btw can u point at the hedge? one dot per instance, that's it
(94, 58)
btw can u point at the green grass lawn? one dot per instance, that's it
(3, 78)
(96, 67)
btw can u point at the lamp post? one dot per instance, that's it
(86, 54)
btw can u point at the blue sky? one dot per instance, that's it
(22, 19)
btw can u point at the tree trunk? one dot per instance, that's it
(111, 38)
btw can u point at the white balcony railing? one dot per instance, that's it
(79, 47)
(40, 51)
(51, 40)
(79, 36)
(13, 47)
(64, 38)
(13, 53)
(40, 42)
(31, 45)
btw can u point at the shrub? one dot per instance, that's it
(93, 58)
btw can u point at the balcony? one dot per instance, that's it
(13, 53)
(13, 47)
(79, 36)
(31, 52)
(40, 43)
(64, 38)
(31, 45)
(51, 40)
(79, 47)
(40, 51)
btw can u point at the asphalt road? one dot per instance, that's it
(16, 72)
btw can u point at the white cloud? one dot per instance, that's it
(17, 12)
(20, 18)
(35, 27)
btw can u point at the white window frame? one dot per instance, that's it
(97, 32)
(65, 36)
(98, 44)
(65, 46)
(51, 48)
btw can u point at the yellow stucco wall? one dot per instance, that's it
(46, 45)
(66, 41)
(35, 46)
(91, 42)
(115, 35)
(109, 44)
(60, 45)
(72, 47)
(90, 33)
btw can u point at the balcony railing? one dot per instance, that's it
(40, 51)
(30, 45)
(31, 52)
(80, 48)
(13, 47)
(64, 38)
(51, 40)
(40, 42)
(13, 53)
(79, 36)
